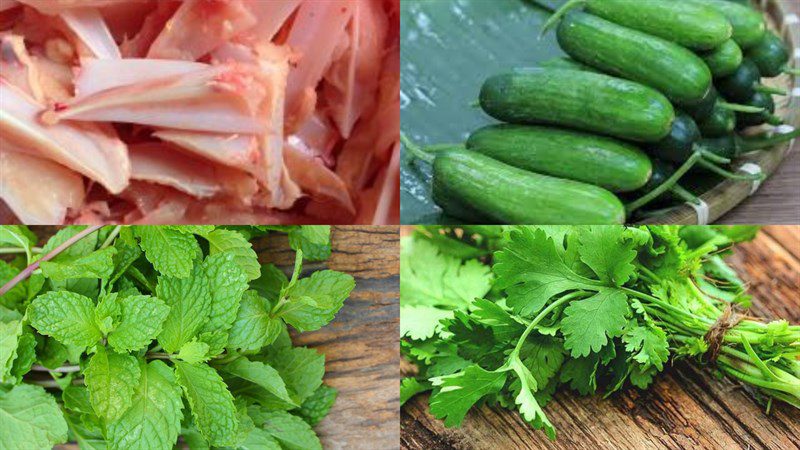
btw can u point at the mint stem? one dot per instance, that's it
(31, 268)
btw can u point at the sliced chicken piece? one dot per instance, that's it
(317, 180)
(234, 150)
(91, 29)
(91, 149)
(222, 98)
(58, 6)
(97, 75)
(40, 192)
(380, 205)
(200, 26)
(163, 164)
(315, 34)
(352, 82)
(139, 44)
(16, 66)
(5, 5)
(270, 17)
(319, 137)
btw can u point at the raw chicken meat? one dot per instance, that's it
(199, 111)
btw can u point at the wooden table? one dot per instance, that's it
(685, 409)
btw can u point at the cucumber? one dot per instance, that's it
(678, 146)
(724, 60)
(762, 100)
(748, 24)
(732, 145)
(693, 26)
(740, 85)
(602, 161)
(703, 109)
(722, 121)
(578, 99)
(770, 55)
(667, 67)
(469, 185)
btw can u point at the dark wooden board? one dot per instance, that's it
(687, 408)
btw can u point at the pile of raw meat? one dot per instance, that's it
(199, 111)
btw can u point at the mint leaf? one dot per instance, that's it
(210, 402)
(316, 407)
(66, 316)
(30, 419)
(456, 394)
(153, 420)
(14, 298)
(228, 241)
(264, 383)
(254, 327)
(531, 271)
(111, 378)
(270, 283)
(140, 321)
(312, 302)
(188, 300)
(301, 368)
(98, 264)
(313, 240)
(10, 332)
(588, 323)
(227, 282)
(194, 352)
(292, 432)
(170, 251)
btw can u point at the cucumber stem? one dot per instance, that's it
(769, 89)
(761, 142)
(666, 185)
(711, 167)
(773, 120)
(791, 71)
(415, 150)
(683, 194)
(477, 104)
(560, 12)
(711, 156)
(739, 108)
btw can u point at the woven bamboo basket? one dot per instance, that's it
(782, 16)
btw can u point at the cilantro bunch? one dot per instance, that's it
(591, 309)
(136, 337)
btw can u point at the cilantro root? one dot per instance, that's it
(135, 337)
(592, 309)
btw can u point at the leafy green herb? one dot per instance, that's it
(143, 334)
(586, 308)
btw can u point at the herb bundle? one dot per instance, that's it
(134, 337)
(507, 315)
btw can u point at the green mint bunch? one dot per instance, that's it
(591, 309)
(136, 337)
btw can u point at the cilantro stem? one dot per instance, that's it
(541, 316)
(31, 268)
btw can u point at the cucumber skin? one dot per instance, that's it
(678, 146)
(724, 60)
(762, 100)
(578, 99)
(740, 86)
(601, 161)
(770, 55)
(721, 122)
(669, 68)
(748, 24)
(472, 186)
(693, 26)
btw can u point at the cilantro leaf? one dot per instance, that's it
(170, 251)
(111, 379)
(588, 323)
(421, 322)
(66, 316)
(410, 386)
(188, 300)
(153, 420)
(527, 404)
(210, 401)
(648, 345)
(608, 252)
(30, 418)
(456, 394)
(531, 271)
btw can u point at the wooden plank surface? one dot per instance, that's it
(686, 408)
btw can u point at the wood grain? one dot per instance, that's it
(687, 408)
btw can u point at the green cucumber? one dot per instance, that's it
(667, 67)
(742, 84)
(724, 60)
(602, 161)
(578, 99)
(722, 121)
(693, 26)
(748, 24)
(469, 185)
(762, 100)
(770, 55)
(732, 145)
(678, 146)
